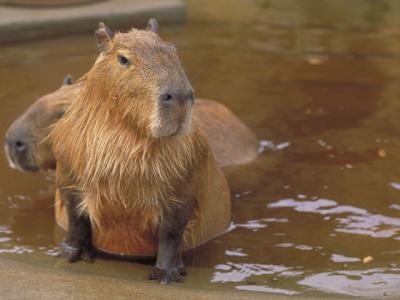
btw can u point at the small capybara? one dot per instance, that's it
(26, 147)
(129, 155)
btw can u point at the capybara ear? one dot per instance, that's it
(68, 80)
(103, 36)
(109, 31)
(152, 25)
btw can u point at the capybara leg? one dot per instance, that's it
(77, 244)
(169, 265)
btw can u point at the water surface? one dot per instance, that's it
(317, 81)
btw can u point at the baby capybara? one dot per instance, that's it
(127, 151)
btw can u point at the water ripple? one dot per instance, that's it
(372, 282)
(352, 220)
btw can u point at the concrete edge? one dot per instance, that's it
(135, 14)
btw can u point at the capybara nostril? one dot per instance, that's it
(20, 145)
(166, 98)
(190, 96)
(178, 97)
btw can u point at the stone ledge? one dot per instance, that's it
(18, 23)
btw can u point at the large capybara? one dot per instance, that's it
(131, 160)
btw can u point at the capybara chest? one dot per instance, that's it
(126, 230)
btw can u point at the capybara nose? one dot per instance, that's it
(166, 98)
(19, 145)
(16, 145)
(180, 97)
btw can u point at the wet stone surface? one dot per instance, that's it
(317, 81)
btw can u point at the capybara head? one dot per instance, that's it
(26, 146)
(142, 78)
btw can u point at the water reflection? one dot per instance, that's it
(269, 145)
(16, 250)
(343, 259)
(318, 83)
(372, 283)
(236, 252)
(236, 272)
(267, 289)
(357, 220)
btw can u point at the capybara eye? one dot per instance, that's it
(60, 114)
(123, 60)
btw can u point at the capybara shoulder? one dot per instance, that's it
(230, 139)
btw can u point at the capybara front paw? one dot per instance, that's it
(73, 254)
(165, 276)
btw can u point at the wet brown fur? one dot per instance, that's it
(128, 179)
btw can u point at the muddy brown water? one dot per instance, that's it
(318, 82)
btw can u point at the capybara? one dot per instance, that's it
(130, 159)
(25, 147)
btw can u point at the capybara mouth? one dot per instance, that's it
(19, 163)
(25, 167)
(185, 126)
(30, 169)
(10, 158)
(49, 165)
(181, 130)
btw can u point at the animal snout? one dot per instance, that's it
(20, 145)
(19, 155)
(177, 97)
(15, 149)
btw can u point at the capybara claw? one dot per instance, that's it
(69, 252)
(165, 276)
(183, 271)
(74, 254)
(87, 255)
